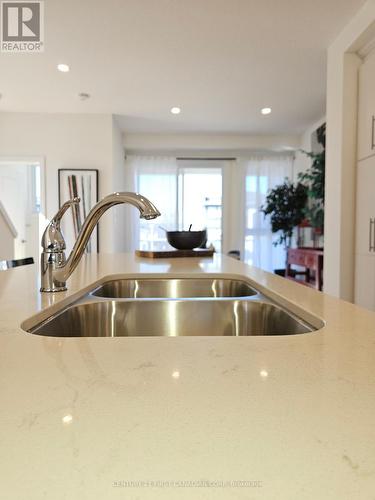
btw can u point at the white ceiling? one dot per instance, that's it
(220, 60)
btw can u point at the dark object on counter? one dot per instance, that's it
(235, 254)
(8, 264)
(186, 240)
(280, 272)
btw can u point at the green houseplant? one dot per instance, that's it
(285, 205)
(314, 179)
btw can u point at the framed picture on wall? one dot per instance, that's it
(83, 183)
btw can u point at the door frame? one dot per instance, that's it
(30, 159)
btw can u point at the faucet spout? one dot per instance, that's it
(56, 269)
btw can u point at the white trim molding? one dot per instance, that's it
(8, 221)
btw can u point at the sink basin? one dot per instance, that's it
(174, 288)
(172, 318)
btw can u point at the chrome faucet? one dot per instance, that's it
(55, 268)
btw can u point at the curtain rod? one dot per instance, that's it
(205, 158)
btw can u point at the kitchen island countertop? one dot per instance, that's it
(281, 417)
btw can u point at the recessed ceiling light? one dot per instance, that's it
(266, 111)
(83, 96)
(175, 110)
(67, 419)
(64, 68)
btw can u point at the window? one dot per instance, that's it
(160, 188)
(223, 195)
(200, 201)
(185, 196)
(262, 174)
(256, 191)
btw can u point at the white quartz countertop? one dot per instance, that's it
(281, 417)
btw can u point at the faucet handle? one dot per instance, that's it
(53, 239)
(58, 216)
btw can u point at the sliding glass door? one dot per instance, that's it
(200, 201)
(185, 195)
(161, 188)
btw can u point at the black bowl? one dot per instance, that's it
(186, 240)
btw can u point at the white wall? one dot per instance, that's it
(14, 197)
(118, 184)
(7, 241)
(226, 145)
(8, 234)
(208, 144)
(342, 90)
(65, 141)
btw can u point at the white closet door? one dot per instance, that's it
(364, 292)
(365, 213)
(366, 108)
(365, 235)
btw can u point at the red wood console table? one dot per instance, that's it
(309, 258)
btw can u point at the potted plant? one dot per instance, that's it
(314, 179)
(285, 205)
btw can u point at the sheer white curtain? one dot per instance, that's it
(156, 178)
(262, 174)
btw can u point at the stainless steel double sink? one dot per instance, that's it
(173, 307)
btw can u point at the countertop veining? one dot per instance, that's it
(194, 417)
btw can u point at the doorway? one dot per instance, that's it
(22, 218)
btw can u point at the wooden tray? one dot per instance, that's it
(167, 254)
